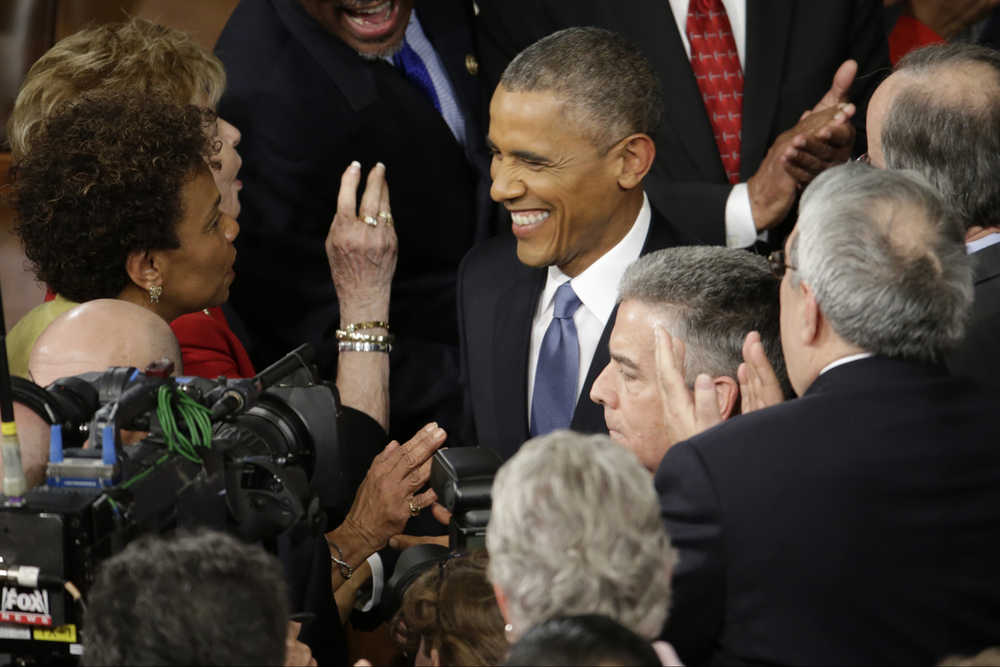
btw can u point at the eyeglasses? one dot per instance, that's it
(863, 159)
(778, 266)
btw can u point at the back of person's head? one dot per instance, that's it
(198, 599)
(103, 180)
(98, 334)
(589, 639)
(134, 56)
(886, 260)
(945, 123)
(713, 296)
(450, 611)
(609, 87)
(575, 528)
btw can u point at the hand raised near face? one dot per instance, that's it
(361, 246)
(759, 385)
(385, 501)
(687, 412)
(818, 141)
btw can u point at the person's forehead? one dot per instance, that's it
(633, 330)
(538, 116)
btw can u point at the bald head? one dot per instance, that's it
(939, 114)
(98, 334)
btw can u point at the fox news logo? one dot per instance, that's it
(31, 608)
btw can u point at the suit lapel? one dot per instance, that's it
(986, 263)
(515, 309)
(338, 60)
(767, 29)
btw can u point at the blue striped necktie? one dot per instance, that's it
(558, 367)
(415, 70)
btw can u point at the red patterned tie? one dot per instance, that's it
(716, 65)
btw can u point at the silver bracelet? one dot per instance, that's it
(357, 346)
(346, 571)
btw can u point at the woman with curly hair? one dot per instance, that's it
(449, 615)
(141, 58)
(116, 199)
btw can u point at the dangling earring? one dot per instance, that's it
(154, 293)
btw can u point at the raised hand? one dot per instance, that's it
(759, 385)
(685, 413)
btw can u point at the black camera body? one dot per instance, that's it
(254, 480)
(462, 478)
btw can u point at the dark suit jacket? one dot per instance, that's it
(858, 524)
(979, 355)
(497, 300)
(307, 106)
(793, 48)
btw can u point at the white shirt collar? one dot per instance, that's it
(846, 360)
(597, 285)
(984, 242)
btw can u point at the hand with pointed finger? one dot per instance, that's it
(759, 384)
(385, 501)
(685, 413)
(362, 255)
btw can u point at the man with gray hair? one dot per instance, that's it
(575, 529)
(858, 523)
(679, 337)
(570, 133)
(939, 114)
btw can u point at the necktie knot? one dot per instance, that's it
(566, 302)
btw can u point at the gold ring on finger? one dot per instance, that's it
(414, 508)
(370, 221)
(385, 217)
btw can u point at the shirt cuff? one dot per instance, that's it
(378, 583)
(740, 230)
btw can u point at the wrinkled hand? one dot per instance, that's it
(819, 140)
(686, 413)
(297, 654)
(759, 385)
(947, 17)
(381, 505)
(362, 257)
(443, 516)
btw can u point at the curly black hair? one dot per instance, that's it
(103, 180)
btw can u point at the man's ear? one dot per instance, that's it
(812, 316)
(727, 393)
(143, 269)
(637, 153)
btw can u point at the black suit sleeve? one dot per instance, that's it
(691, 513)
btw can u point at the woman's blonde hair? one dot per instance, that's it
(452, 608)
(134, 56)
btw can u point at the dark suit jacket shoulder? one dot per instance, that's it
(497, 300)
(844, 527)
(979, 355)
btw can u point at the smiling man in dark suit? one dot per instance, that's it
(570, 132)
(313, 86)
(858, 523)
(787, 53)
